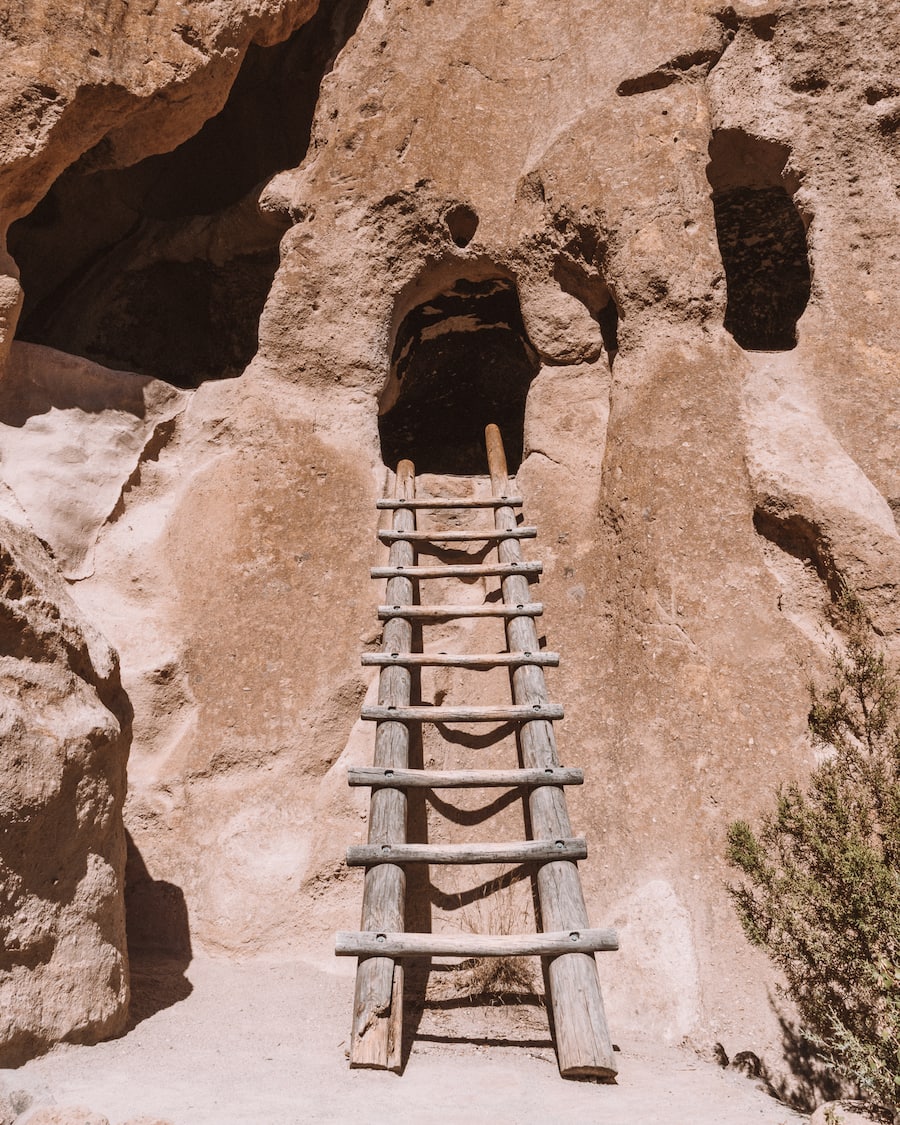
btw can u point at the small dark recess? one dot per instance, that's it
(802, 539)
(164, 267)
(762, 240)
(608, 319)
(159, 939)
(462, 222)
(460, 361)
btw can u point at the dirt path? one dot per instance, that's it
(265, 1044)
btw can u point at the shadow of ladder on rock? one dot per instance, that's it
(583, 1045)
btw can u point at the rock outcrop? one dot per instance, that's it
(64, 728)
(661, 240)
(117, 84)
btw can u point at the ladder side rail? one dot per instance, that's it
(583, 1045)
(376, 1037)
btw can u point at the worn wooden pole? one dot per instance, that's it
(462, 779)
(583, 1046)
(473, 536)
(514, 851)
(466, 570)
(456, 660)
(476, 945)
(378, 1001)
(454, 714)
(443, 612)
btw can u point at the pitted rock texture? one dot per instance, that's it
(73, 436)
(65, 727)
(692, 215)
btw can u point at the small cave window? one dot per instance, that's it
(163, 267)
(762, 240)
(608, 319)
(460, 361)
(462, 222)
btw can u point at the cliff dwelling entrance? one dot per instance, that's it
(762, 240)
(460, 361)
(164, 267)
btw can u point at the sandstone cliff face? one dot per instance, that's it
(669, 232)
(105, 89)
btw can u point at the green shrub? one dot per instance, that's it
(821, 892)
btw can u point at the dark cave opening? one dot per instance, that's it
(164, 267)
(460, 361)
(762, 240)
(462, 222)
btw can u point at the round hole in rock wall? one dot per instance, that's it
(460, 361)
(462, 222)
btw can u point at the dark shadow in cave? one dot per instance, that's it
(588, 286)
(159, 939)
(164, 267)
(762, 240)
(802, 539)
(460, 361)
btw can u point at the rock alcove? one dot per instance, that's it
(163, 267)
(460, 360)
(762, 240)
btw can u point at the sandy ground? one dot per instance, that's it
(266, 1044)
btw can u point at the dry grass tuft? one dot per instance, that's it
(496, 980)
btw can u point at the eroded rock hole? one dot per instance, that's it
(762, 240)
(462, 222)
(608, 319)
(164, 267)
(460, 361)
(803, 540)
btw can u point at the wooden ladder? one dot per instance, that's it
(582, 1041)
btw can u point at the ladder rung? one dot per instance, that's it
(461, 660)
(511, 714)
(500, 570)
(385, 778)
(366, 944)
(490, 609)
(446, 502)
(523, 851)
(456, 536)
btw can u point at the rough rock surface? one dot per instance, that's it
(841, 1113)
(72, 438)
(696, 210)
(64, 729)
(112, 86)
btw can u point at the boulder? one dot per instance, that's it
(64, 732)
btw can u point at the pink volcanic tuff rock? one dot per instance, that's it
(843, 1113)
(64, 737)
(146, 1121)
(698, 494)
(66, 1115)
